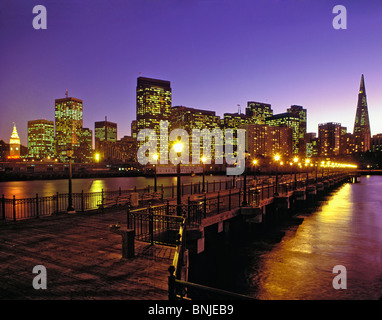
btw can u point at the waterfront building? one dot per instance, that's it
(84, 153)
(329, 136)
(120, 151)
(104, 131)
(361, 131)
(267, 141)
(14, 144)
(310, 145)
(290, 120)
(153, 104)
(376, 143)
(191, 118)
(68, 125)
(302, 115)
(258, 111)
(40, 139)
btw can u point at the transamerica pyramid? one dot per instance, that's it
(361, 131)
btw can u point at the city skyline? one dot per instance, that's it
(216, 56)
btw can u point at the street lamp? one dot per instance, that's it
(295, 160)
(203, 163)
(254, 162)
(155, 157)
(307, 161)
(70, 209)
(245, 203)
(277, 158)
(178, 149)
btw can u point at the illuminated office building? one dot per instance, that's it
(84, 153)
(153, 104)
(68, 125)
(40, 139)
(302, 115)
(258, 111)
(190, 118)
(104, 131)
(329, 135)
(266, 141)
(290, 120)
(376, 143)
(361, 131)
(14, 144)
(309, 147)
(121, 151)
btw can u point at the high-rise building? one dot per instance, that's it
(267, 141)
(153, 104)
(40, 139)
(258, 111)
(104, 131)
(309, 147)
(376, 143)
(290, 120)
(190, 118)
(302, 114)
(329, 135)
(84, 153)
(68, 125)
(361, 131)
(14, 144)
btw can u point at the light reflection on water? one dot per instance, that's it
(345, 230)
(25, 189)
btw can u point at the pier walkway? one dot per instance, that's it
(84, 258)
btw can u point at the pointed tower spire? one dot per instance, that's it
(362, 86)
(361, 131)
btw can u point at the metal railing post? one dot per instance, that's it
(57, 202)
(218, 202)
(14, 208)
(37, 208)
(82, 201)
(3, 207)
(151, 225)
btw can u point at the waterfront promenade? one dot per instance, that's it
(83, 257)
(83, 260)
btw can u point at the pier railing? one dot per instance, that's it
(14, 209)
(230, 193)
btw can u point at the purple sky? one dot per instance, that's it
(216, 53)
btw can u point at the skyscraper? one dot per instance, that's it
(329, 135)
(153, 104)
(40, 139)
(68, 125)
(258, 111)
(301, 113)
(290, 120)
(361, 131)
(104, 131)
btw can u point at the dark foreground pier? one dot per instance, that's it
(141, 252)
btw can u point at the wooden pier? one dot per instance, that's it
(84, 253)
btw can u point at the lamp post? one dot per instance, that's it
(295, 160)
(277, 158)
(204, 172)
(245, 203)
(178, 149)
(155, 157)
(70, 209)
(254, 162)
(307, 161)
